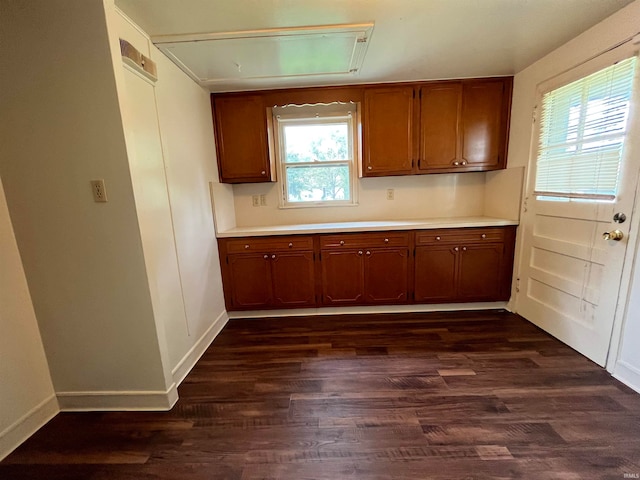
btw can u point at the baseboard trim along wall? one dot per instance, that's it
(185, 365)
(16, 433)
(628, 374)
(371, 309)
(118, 400)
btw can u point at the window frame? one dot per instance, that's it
(314, 115)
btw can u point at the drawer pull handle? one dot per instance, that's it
(368, 252)
(273, 257)
(290, 245)
(386, 240)
(369, 167)
(484, 235)
(341, 242)
(360, 252)
(263, 172)
(266, 257)
(246, 247)
(464, 249)
(438, 239)
(456, 249)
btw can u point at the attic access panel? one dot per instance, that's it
(268, 54)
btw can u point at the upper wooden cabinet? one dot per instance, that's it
(241, 139)
(426, 127)
(388, 131)
(436, 127)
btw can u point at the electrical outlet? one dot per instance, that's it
(99, 191)
(390, 193)
(263, 200)
(255, 200)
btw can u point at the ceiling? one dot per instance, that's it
(410, 40)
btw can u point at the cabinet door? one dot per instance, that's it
(250, 280)
(386, 276)
(439, 111)
(342, 277)
(241, 139)
(388, 131)
(435, 273)
(480, 272)
(293, 279)
(482, 125)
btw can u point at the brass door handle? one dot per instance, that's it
(616, 235)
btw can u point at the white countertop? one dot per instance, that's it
(367, 226)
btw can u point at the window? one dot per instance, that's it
(316, 148)
(582, 130)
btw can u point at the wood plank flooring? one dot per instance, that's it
(480, 395)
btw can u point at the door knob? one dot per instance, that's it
(616, 235)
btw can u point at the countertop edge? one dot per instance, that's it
(371, 226)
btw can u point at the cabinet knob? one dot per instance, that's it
(386, 240)
(438, 239)
(266, 257)
(290, 245)
(455, 164)
(455, 249)
(484, 235)
(360, 252)
(368, 252)
(263, 172)
(246, 247)
(369, 167)
(464, 162)
(464, 249)
(341, 242)
(273, 257)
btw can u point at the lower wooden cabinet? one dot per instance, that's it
(365, 269)
(463, 265)
(423, 266)
(268, 272)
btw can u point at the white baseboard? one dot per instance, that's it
(185, 365)
(372, 309)
(16, 433)
(118, 400)
(628, 374)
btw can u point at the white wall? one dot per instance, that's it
(186, 128)
(172, 159)
(61, 127)
(26, 405)
(415, 196)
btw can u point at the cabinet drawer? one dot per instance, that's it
(368, 240)
(268, 244)
(459, 235)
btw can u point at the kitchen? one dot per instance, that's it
(152, 246)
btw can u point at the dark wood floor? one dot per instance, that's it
(418, 396)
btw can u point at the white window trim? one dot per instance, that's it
(323, 113)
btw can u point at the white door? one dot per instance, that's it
(570, 274)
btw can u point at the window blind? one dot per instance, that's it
(582, 131)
